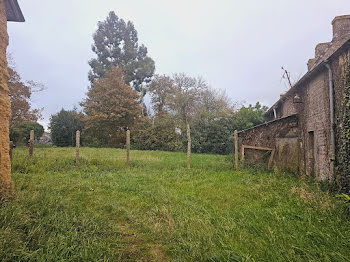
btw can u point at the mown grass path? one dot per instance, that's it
(157, 210)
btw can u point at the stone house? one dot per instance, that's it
(9, 11)
(305, 126)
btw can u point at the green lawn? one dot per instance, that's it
(157, 210)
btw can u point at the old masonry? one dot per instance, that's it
(9, 11)
(304, 127)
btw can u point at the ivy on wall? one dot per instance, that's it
(344, 134)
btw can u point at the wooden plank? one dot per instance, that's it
(258, 148)
(269, 166)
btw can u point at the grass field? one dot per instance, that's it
(157, 210)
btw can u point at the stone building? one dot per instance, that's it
(304, 127)
(9, 11)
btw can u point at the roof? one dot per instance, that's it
(13, 11)
(269, 122)
(334, 48)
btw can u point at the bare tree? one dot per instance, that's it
(20, 94)
(214, 101)
(159, 89)
(184, 101)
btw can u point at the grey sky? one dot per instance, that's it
(238, 46)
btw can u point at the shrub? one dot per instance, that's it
(20, 134)
(63, 126)
(159, 134)
(346, 199)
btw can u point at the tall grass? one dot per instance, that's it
(157, 210)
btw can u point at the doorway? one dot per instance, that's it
(311, 153)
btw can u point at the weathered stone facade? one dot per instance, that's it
(341, 112)
(316, 99)
(6, 185)
(281, 135)
(9, 11)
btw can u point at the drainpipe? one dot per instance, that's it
(331, 110)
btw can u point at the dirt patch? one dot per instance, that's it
(158, 254)
(136, 248)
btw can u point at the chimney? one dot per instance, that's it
(311, 63)
(341, 29)
(320, 49)
(341, 26)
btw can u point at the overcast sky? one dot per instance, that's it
(238, 46)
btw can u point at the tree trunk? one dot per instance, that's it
(188, 145)
(143, 105)
(6, 184)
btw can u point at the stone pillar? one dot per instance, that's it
(6, 184)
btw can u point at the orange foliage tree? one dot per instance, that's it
(110, 107)
(20, 94)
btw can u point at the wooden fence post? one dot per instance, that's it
(12, 146)
(236, 150)
(242, 156)
(77, 146)
(189, 143)
(128, 147)
(31, 144)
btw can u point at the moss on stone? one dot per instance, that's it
(343, 164)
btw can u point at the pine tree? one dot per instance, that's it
(116, 44)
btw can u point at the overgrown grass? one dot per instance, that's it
(157, 210)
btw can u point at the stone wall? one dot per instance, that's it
(316, 118)
(342, 156)
(6, 185)
(313, 112)
(281, 135)
(288, 107)
(310, 100)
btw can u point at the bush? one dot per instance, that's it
(213, 134)
(63, 127)
(20, 134)
(93, 138)
(158, 135)
(346, 199)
